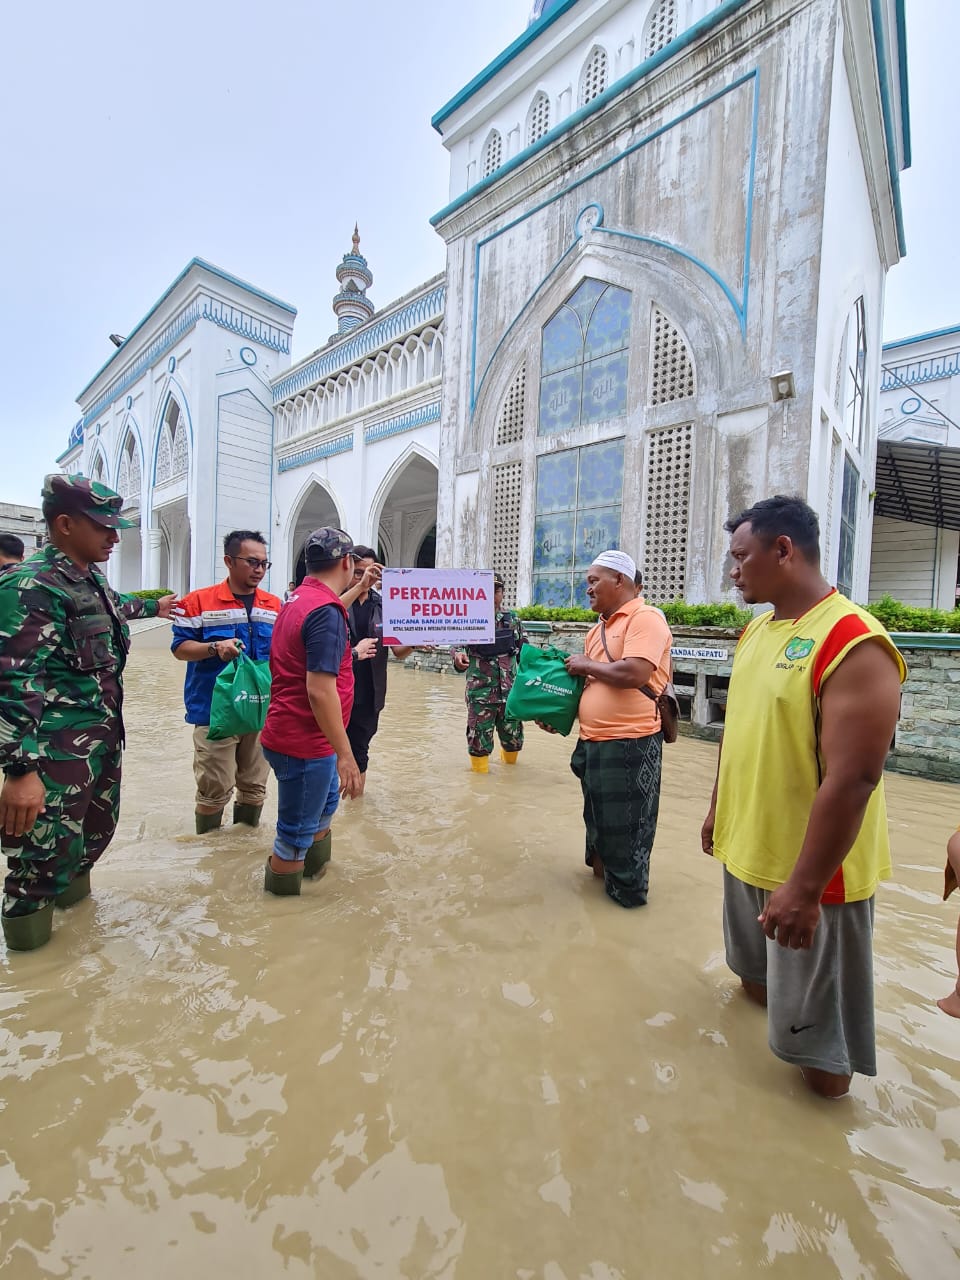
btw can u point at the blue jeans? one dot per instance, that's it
(308, 795)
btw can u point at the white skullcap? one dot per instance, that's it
(619, 562)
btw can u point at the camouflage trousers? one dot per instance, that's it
(486, 711)
(82, 807)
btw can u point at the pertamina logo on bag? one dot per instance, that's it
(537, 682)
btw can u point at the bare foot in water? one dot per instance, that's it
(951, 1003)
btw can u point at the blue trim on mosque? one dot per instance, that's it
(916, 372)
(406, 422)
(330, 359)
(329, 449)
(901, 21)
(880, 49)
(953, 331)
(739, 306)
(205, 266)
(204, 307)
(504, 59)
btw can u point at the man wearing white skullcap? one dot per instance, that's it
(618, 756)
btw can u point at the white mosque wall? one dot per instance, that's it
(180, 422)
(853, 264)
(699, 191)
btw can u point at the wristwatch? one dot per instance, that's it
(212, 649)
(18, 768)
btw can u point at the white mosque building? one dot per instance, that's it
(668, 229)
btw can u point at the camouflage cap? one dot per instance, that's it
(82, 496)
(324, 546)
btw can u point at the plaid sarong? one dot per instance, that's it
(621, 801)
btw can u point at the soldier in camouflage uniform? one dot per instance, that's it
(490, 672)
(63, 645)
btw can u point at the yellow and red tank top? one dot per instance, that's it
(770, 765)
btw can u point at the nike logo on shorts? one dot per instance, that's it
(796, 1030)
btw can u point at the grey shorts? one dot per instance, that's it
(819, 1002)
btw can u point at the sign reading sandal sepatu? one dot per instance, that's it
(544, 690)
(437, 606)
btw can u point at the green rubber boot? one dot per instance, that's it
(318, 857)
(26, 933)
(248, 814)
(282, 886)
(208, 822)
(75, 891)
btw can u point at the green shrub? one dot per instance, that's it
(907, 617)
(153, 593)
(678, 615)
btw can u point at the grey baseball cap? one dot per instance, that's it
(326, 546)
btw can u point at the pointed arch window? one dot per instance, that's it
(585, 359)
(173, 450)
(538, 118)
(99, 470)
(492, 154)
(128, 478)
(593, 77)
(661, 27)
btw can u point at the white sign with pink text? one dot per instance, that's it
(437, 606)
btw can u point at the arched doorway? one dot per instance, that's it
(407, 525)
(317, 510)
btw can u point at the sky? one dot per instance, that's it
(135, 138)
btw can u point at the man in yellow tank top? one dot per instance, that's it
(798, 815)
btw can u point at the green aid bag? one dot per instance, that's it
(544, 690)
(241, 696)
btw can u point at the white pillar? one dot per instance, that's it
(152, 545)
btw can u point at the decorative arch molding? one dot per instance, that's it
(130, 485)
(675, 266)
(416, 360)
(313, 481)
(99, 456)
(172, 391)
(693, 303)
(413, 450)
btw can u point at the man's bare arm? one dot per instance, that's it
(860, 704)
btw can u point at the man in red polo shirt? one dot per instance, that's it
(305, 737)
(209, 628)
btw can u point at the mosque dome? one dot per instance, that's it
(540, 9)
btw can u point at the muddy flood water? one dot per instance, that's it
(454, 1056)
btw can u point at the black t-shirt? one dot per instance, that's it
(361, 628)
(247, 602)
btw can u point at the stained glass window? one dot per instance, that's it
(848, 527)
(584, 359)
(578, 507)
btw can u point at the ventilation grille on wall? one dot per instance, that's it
(667, 512)
(510, 422)
(593, 80)
(492, 154)
(538, 121)
(507, 481)
(671, 365)
(661, 27)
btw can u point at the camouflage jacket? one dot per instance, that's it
(63, 646)
(493, 676)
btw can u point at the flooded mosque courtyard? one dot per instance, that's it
(453, 1056)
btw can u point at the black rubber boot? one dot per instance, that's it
(318, 857)
(248, 814)
(26, 933)
(75, 891)
(282, 886)
(208, 822)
